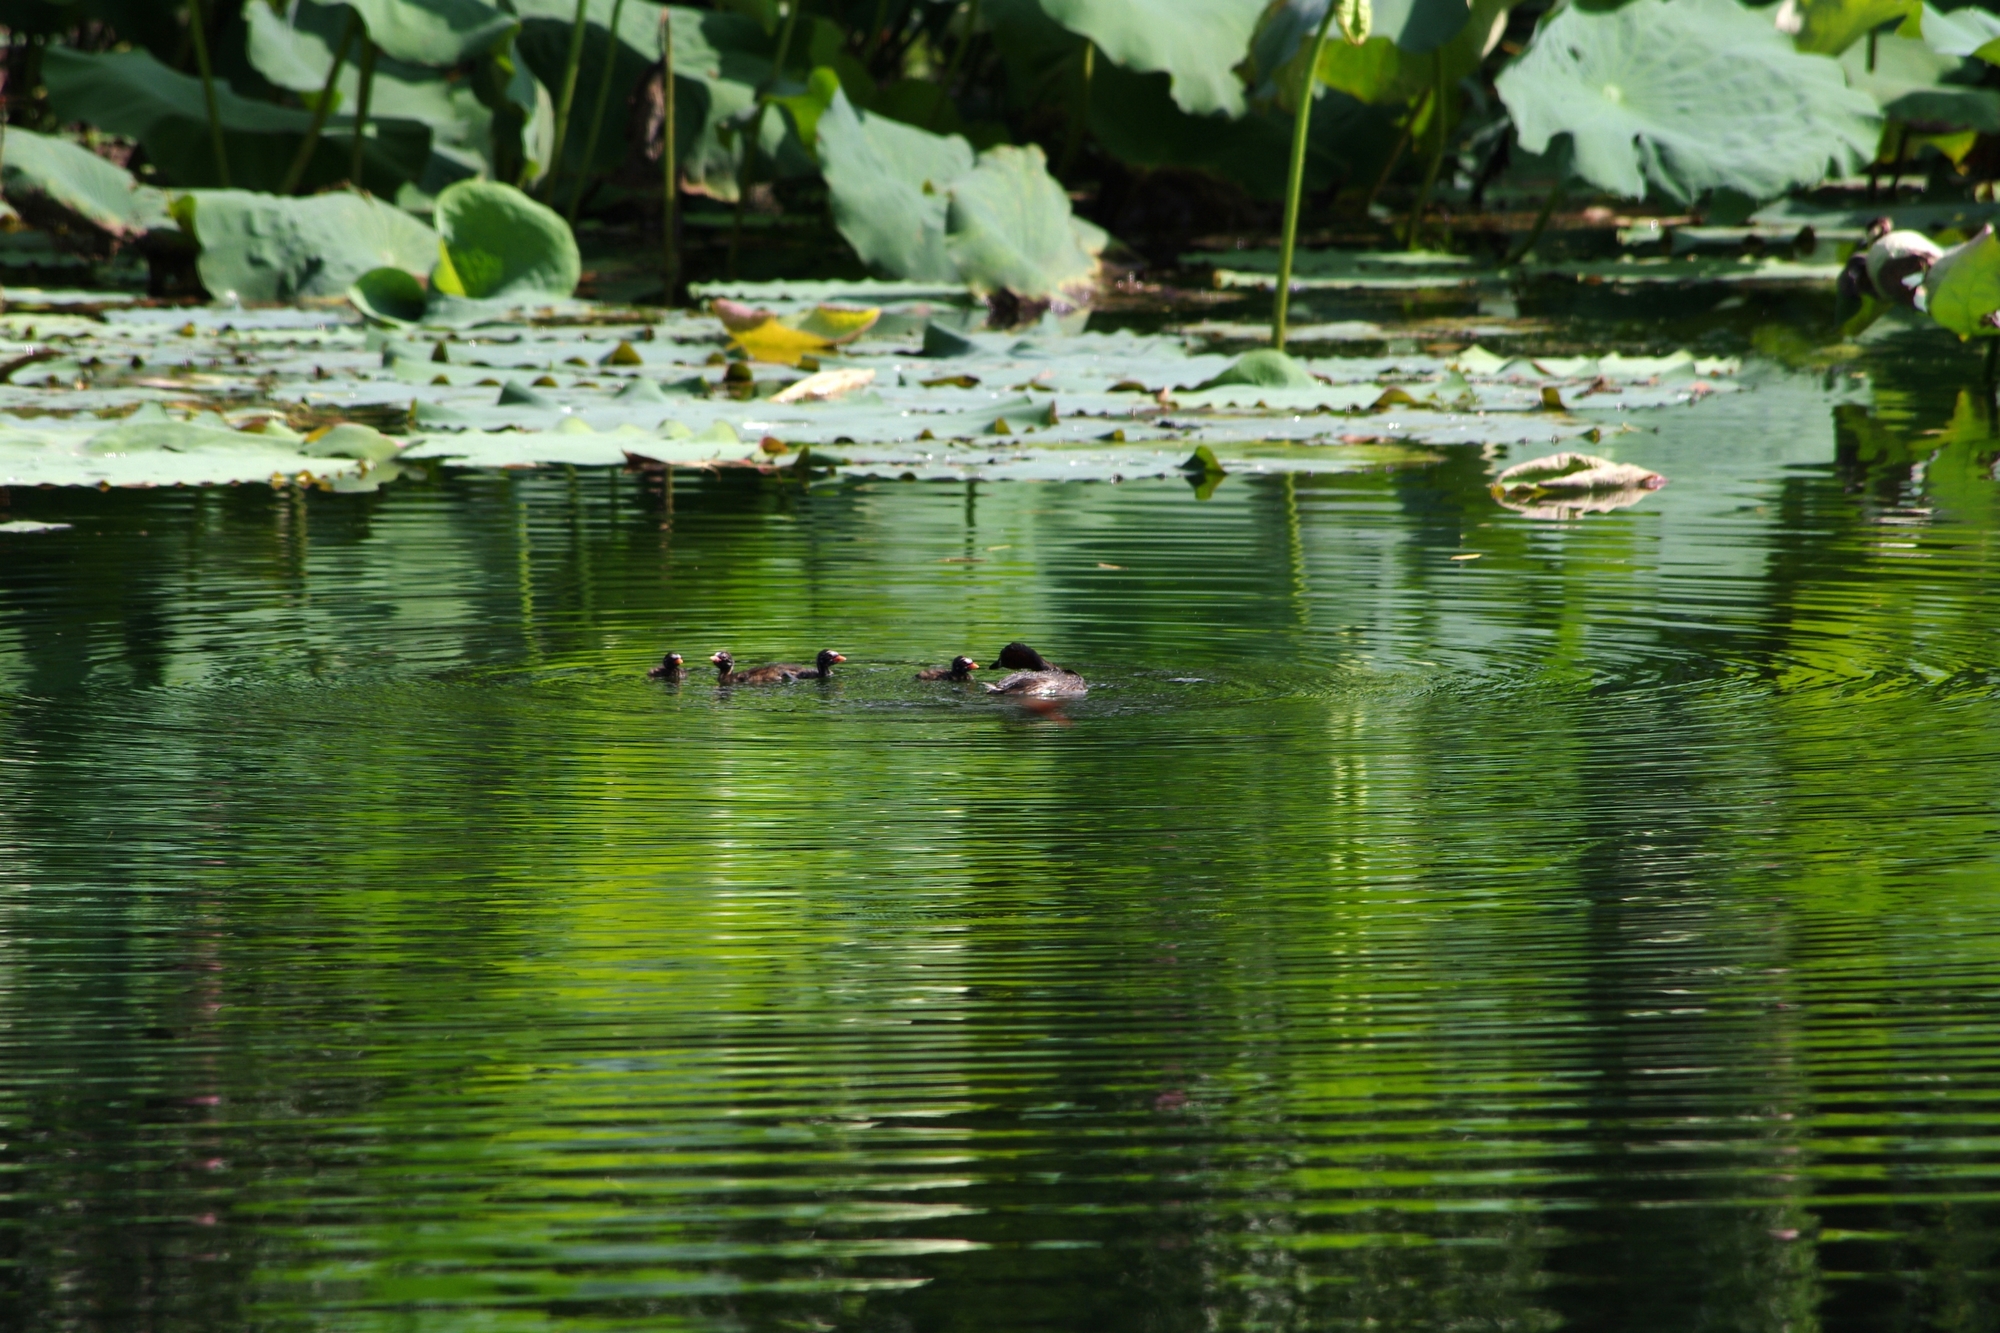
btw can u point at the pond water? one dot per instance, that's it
(1597, 933)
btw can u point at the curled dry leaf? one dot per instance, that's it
(1566, 484)
(824, 385)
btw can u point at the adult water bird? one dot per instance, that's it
(1034, 676)
(961, 669)
(670, 668)
(774, 673)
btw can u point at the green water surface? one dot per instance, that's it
(1601, 933)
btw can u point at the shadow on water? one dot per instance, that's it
(1432, 918)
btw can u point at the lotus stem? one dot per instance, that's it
(1074, 139)
(297, 171)
(198, 33)
(958, 52)
(566, 99)
(1527, 244)
(1295, 180)
(361, 99)
(1438, 113)
(597, 112)
(750, 147)
(670, 156)
(876, 33)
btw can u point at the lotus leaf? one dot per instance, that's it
(887, 184)
(1912, 82)
(807, 107)
(1264, 369)
(778, 343)
(1962, 288)
(63, 187)
(391, 295)
(434, 32)
(1133, 118)
(1196, 43)
(351, 439)
(1687, 95)
(498, 244)
(1010, 229)
(299, 56)
(1962, 32)
(132, 94)
(260, 247)
(921, 206)
(1382, 73)
(1828, 27)
(1566, 472)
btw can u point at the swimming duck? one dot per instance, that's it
(670, 668)
(961, 669)
(773, 673)
(1035, 675)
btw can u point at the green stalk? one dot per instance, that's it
(1438, 111)
(1081, 121)
(1295, 181)
(670, 155)
(1549, 206)
(571, 63)
(757, 127)
(958, 52)
(297, 171)
(361, 100)
(198, 32)
(597, 113)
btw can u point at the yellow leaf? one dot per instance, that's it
(840, 324)
(773, 342)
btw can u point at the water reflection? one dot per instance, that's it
(1594, 934)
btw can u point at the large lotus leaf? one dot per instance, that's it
(1381, 73)
(1133, 117)
(132, 94)
(1914, 83)
(1197, 43)
(720, 59)
(887, 183)
(1962, 289)
(1420, 25)
(1828, 27)
(64, 187)
(1008, 229)
(434, 32)
(299, 55)
(1962, 32)
(501, 245)
(1687, 95)
(263, 248)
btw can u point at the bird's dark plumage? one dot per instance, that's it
(773, 673)
(1035, 675)
(670, 668)
(961, 668)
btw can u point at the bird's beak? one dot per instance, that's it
(973, 666)
(840, 657)
(717, 659)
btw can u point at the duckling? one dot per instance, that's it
(1035, 675)
(961, 670)
(773, 673)
(670, 668)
